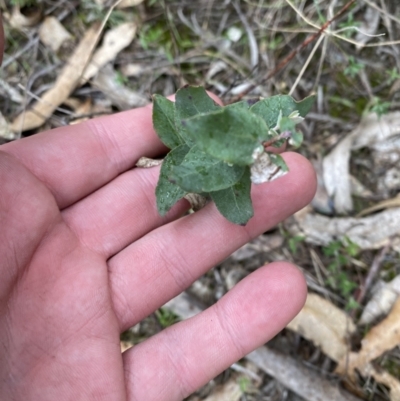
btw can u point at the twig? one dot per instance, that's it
(306, 64)
(32, 42)
(381, 10)
(252, 40)
(284, 135)
(292, 54)
(373, 271)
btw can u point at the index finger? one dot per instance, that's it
(76, 160)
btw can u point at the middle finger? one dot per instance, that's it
(163, 263)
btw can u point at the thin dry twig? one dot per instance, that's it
(293, 53)
(252, 40)
(372, 273)
(381, 10)
(306, 64)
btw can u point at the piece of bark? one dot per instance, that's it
(64, 85)
(196, 201)
(146, 162)
(307, 383)
(322, 230)
(326, 325)
(381, 302)
(124, 98)
(381, 338)
(114, 41)
(5, 131)
(53, 34)
(375, 132)
(20, 20)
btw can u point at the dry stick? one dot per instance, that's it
(373, 271)
(291, 55)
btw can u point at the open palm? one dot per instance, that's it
(85, 255)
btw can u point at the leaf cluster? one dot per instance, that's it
(214, 148)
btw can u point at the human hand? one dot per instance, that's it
(85, 255)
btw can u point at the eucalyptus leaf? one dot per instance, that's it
(243, 104)
(168, 193)
(189, 102)
(234, 203)
(200, 172)
(286, 124)
(304, 106)
(229, 134)
(217, 151)
(164, 121)
(279, 161)
(297, 139)
(270, 109)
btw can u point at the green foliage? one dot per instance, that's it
(164, 121)
(229, 134)
(379, 106)
(24, 3)
(150, 36)
(164, 37)
(294, 242)
(235, 202)
(349, 27)
(189, 102)
(275, 42)
(213, 148)
(92, 12)
(244, 384)
(167, 192)
(166, 317)
(200, 172)
(340, 253)
(393, 74)
(391, 364)
(354, 67)
(121, 79)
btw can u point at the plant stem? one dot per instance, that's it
(283, 135)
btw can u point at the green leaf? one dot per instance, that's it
(168, 193)
(304, 106)
(297, 139)
(213, 147)
(272, 108)
(164, 121)
(234, 203)
(200, 172)
(189, 102)
(244, 104)
(279, 161)
(229, 134)
(286, 124)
